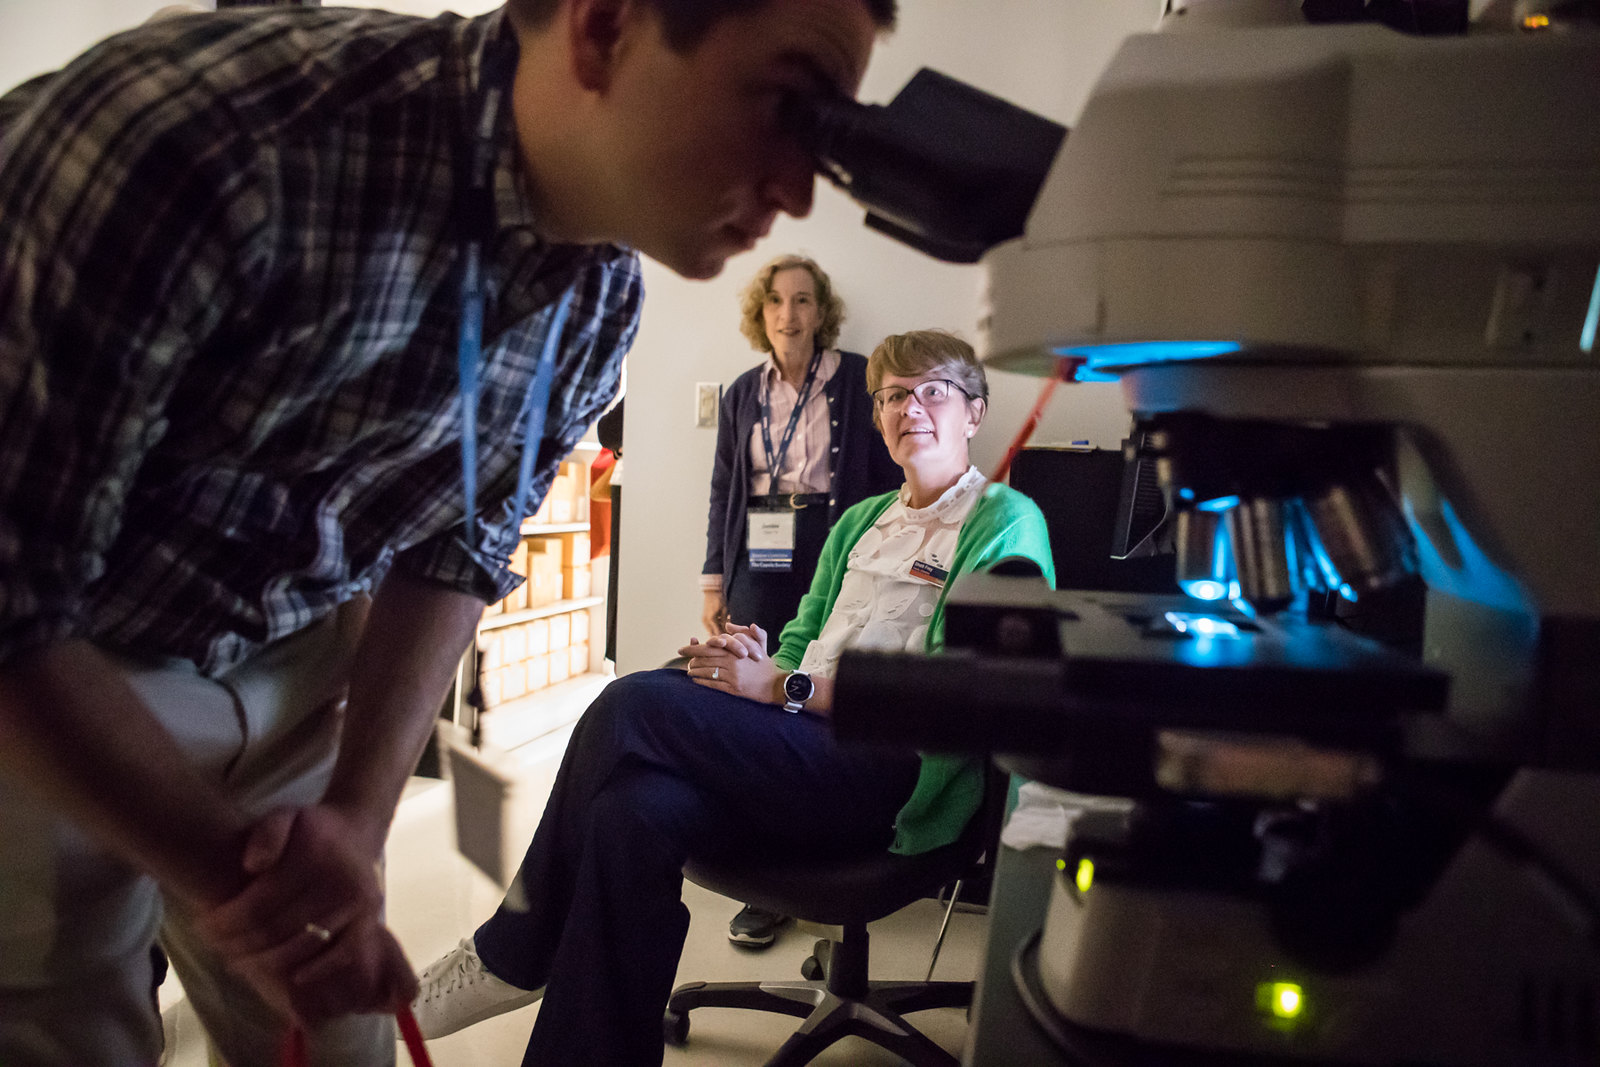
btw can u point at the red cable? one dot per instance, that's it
(1064, 370)
(294, 1049)
(294, 1052)
(413, 1037)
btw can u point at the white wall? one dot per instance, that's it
(1042, 54)
(41, 35)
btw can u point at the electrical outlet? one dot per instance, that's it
(707, 395)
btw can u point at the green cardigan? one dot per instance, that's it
(1004, 523)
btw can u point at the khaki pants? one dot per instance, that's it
(76, 924)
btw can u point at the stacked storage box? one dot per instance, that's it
(544, 571)
(525, 657)
(568, 499)
(576, 580)
(555, 566)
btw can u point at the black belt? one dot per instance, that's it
(794, 501)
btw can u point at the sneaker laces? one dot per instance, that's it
(464, 970)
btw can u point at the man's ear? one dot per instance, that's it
(596, 30)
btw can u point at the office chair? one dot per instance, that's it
(839, 1001)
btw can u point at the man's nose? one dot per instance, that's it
(792, 183)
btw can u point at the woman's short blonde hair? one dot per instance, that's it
(752, 320)
(927, 354)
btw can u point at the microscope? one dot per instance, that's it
(1349, 279)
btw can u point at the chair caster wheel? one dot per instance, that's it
(675, 1028)
(815, 966)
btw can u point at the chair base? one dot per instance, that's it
(876, 1016)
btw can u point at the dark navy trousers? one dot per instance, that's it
(660, 769)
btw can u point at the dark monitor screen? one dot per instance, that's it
(1097, 507)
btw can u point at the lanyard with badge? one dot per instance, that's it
(769, 535)
(476, 216)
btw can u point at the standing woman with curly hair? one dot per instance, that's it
(796, 447)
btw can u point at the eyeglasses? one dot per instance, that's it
(928, 394)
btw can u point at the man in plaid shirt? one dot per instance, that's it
(231, 250)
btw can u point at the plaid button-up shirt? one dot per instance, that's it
(229, 278)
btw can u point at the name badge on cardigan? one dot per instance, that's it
(770, 539)
(927, 572)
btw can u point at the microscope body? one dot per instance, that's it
(1492, 966)
(1348, 280)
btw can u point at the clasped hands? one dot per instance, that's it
(734, 661)
(306, 931)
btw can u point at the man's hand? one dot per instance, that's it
(714, 615)
(363, 970)
(314, 892)
(314, 873)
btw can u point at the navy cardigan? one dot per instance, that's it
(860, 462)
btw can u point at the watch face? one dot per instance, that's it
(798, 687)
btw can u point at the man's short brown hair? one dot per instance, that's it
(686, 22)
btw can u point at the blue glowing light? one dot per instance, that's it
(1205, 588)
(1222, 566)
(1201, 625)
(1294, 565)
(1218, 504)
(1303, 546)
(1465, 571)
(1082, 373)
(1591, 321)
(1349, 592)
(1134, 353)
(1186, 493)
(1320, 560)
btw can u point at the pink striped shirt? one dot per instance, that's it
(806, 468)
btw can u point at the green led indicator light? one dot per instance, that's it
(1061, 865)
(1085, 877)
(1281, 1000)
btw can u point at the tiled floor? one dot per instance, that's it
(436, 897)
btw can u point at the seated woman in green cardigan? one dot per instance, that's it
(735, 755)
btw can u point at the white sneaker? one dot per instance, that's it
(457, 991)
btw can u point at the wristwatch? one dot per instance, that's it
(797, 689)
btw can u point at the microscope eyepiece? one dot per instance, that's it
(946, 168)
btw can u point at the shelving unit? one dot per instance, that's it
(533, 673)
(537, 529)
(560, 607)
(540, 659)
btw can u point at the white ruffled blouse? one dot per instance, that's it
(883, 605)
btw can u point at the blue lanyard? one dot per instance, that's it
(476, 211)
(775, 464)
(535, 406)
